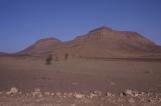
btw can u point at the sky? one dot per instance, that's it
(22, 22)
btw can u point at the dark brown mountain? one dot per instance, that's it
(101, 42)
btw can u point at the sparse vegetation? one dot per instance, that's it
(49, 59)
(66, 56)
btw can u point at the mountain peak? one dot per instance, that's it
(52, 39)
(101, 29)
(42, 45)
(100, 42)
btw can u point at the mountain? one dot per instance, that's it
(2, 53)
(41, 46)
(101, 42)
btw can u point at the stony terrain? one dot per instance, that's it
(28, 81)
(14, 97)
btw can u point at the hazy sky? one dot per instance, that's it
(22, 22)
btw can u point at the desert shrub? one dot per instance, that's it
(66, 56)
(49, 59)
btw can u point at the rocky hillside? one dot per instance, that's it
(102, 42)
(42, 46)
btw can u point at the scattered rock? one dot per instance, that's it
(129, 92)
(123, 94)
(13, 90)
(37, 90)
(47, 93)
(79, 96)
(58, 94)
(129, 96)
(132, 93)
(99, 93)
(92, 95)
(52, 94)
(37, 93)
(109, 94)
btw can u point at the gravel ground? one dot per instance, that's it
(14, 97)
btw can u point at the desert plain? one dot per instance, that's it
(104, 68)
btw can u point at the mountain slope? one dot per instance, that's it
(105, 42)
(2, 53)
(101, 42)
(42, 46)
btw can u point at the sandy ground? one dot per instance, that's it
(78, 75)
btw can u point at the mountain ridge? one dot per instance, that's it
(3, 53)
(100, 42)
